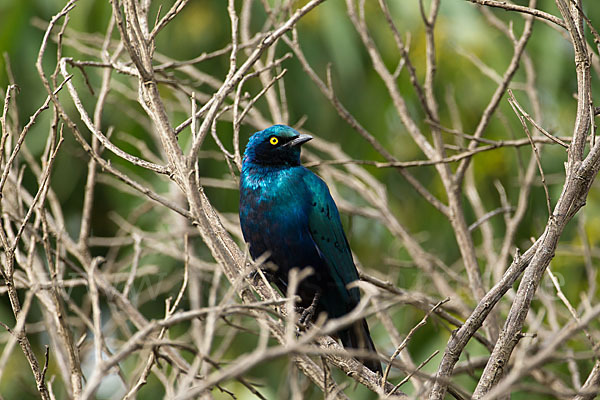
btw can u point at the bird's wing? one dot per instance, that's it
(328, 234)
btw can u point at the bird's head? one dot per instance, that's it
(278, 145)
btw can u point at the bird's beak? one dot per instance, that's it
(298, 140)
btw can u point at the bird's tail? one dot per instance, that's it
(357, 336)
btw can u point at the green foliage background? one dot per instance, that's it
(327, 37)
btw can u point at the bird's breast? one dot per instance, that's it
(273, 215)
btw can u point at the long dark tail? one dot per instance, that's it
(357, 336)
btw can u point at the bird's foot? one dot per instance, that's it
(254, 275)
(309, 312)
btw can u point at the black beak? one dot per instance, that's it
(298, 140)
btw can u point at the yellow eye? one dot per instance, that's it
(273, 140)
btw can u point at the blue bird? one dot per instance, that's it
(287, 212)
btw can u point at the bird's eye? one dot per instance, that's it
(273, 140)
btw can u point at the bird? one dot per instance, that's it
(287, 215)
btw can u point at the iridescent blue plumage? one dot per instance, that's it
(288, 212)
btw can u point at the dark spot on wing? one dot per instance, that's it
(338, 246)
